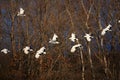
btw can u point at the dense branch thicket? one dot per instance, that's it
(63, 17)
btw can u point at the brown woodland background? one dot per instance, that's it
(63, 17)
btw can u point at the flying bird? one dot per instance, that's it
(21, 12)
(88, 37)
(39, 52)
(73, 37)
(106, 29)
(73, 49)
(27, 49)
(54, 39)
(5, 51)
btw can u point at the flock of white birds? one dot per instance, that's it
(54, 41)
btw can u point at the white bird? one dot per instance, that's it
(106, 29)
(27, 49)
(54, 39)
(39, 52)
(5, 50)
(73, 37)
(88, 37)
(73, 49)
(21, 12)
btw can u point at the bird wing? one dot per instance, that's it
(54, 37)
(21, 10)
(42, 49)
(2, 50)
(86, 35)
(73, 49)
(109, 26)
(72, 38)
(77, 45)
(37, 55)
(103, 32)
(73, 35)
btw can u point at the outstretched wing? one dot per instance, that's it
(21, 11)
(54, 37)
(73, 37)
